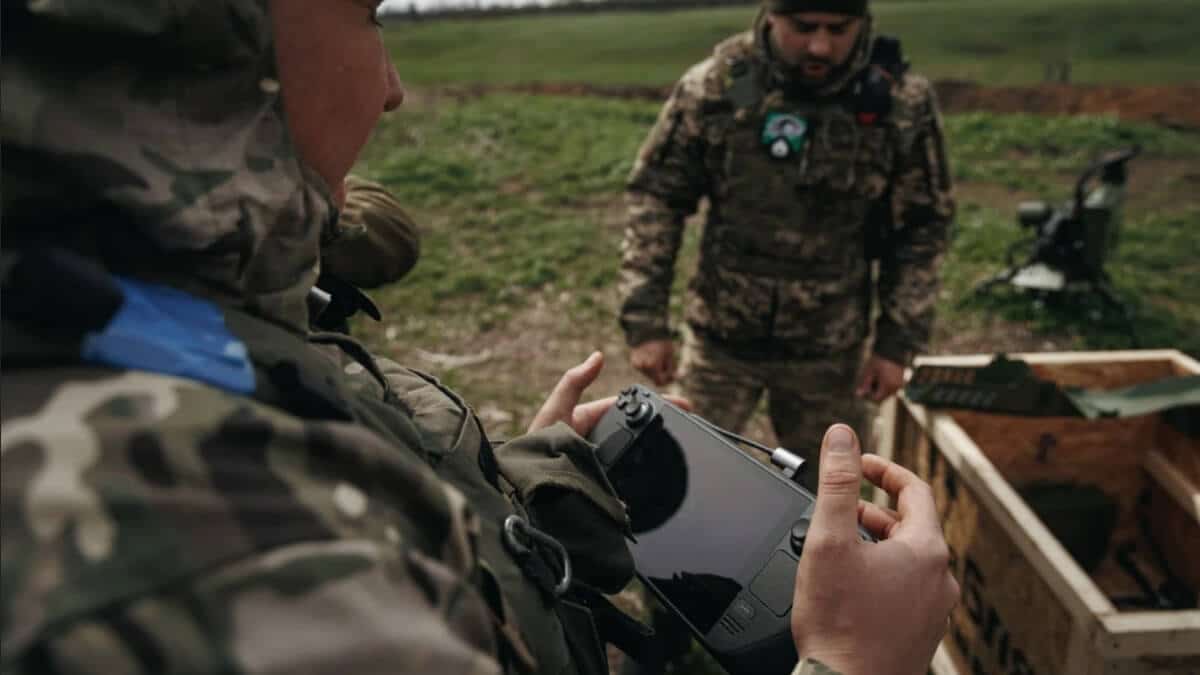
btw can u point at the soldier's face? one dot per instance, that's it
(814, 43)
(336, 79)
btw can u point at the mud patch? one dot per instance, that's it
(1173, 106)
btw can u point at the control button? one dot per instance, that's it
(639, 414)
(622, 403)
(799, 534)
(776, 582)
(742, 610)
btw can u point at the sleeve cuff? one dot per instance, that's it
(636, 335)
(895, 349)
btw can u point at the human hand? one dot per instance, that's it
(563, 403)
(656, 360)
(880, 379)
(871, 608)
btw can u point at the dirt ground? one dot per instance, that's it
(1175, 106)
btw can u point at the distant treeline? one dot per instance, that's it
(568, 7)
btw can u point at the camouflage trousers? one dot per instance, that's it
(804, 396)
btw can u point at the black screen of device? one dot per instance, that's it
(700, 514)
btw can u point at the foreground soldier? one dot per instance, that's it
(816, 153)
(191, 485)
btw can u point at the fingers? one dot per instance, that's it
(665, 376)
(652, 369)
(877, 520)
(561, 402)
(679, 402)
(835, 516)
(914, 498)
(575, 380)
(867, 385)
(586, 415)
(665, 368)
(669, 367)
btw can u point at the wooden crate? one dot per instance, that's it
(1027, 607)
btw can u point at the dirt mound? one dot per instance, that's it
(1175, 106)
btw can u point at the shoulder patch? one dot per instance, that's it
(913, 93)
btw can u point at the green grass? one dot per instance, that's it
(1155, 271)
(520, 201)
(1028, 152)
(1000, 42)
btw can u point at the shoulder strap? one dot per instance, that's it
(887, 53)
(742, 87)
(886, 68)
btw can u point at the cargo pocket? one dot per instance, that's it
(556, 478)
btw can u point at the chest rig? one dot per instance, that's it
(804, 181)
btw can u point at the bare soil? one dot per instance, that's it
(1174, 106)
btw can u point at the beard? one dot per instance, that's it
(814, 72)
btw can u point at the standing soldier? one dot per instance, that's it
(818, 153)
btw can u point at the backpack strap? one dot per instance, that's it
(873, 90)
(743, 90)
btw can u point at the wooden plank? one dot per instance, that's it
(1182, 490)
(1186, 363)
(1180, 450)
(1178, 537)
(1073, 587)
(1140, 634)
(1054, 358)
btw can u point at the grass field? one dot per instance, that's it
(519, 199)
(1001, 42)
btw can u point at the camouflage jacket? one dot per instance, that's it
(335, 522)
(331, 522)
(782, 263)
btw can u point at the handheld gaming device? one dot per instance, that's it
(718, 534)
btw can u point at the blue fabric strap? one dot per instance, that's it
(164, 330)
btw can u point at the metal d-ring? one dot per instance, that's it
(516, 529)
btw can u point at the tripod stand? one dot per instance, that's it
(1070, 244)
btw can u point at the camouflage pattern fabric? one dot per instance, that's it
(804, 396)
(184, 174)
(782, 267)
(155, 525)
(377, 243)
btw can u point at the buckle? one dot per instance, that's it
(521, 538)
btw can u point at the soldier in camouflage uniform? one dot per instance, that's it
(194, 483)
(808, 150)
